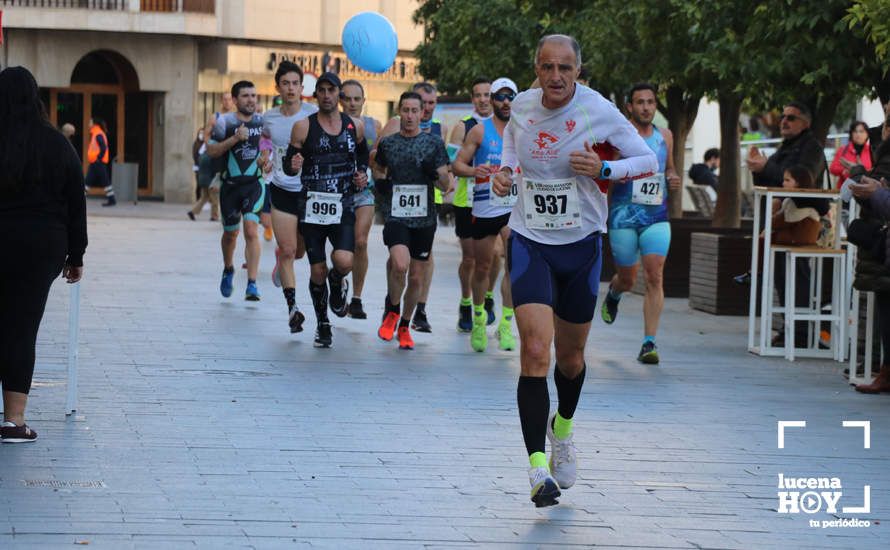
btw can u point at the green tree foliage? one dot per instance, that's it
(647, 41)
(464, 39)
(808, 54)
(871, 20)
(763, 53)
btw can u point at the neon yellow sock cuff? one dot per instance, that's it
(479, 310)
(466, 301)
(538, 460)
(489, 294)
(562, 427)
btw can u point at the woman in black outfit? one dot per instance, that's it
(42, 232)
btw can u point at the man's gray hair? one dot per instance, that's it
(563, 39)
(426, 87)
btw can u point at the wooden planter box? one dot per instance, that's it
(716, 259)
(676, 267)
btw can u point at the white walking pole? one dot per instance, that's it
(73, 325)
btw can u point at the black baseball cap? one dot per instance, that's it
(330, 78)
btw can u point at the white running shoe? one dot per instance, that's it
(544, 488)
(563, 462)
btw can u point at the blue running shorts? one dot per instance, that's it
(565, 277)
(629, 244)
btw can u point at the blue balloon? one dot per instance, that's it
(370, 42)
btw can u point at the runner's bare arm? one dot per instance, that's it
(392, 127)
(458, 133)
(378, 163)
(208, 128)
(503, 180)
(461, 165)
(444, 178)
(293, 159)
(216, 149)
(362, 155)
(670, 171)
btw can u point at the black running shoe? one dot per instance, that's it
(465, 319)
(295, 320)
(489, 309)
(420, 323)
(323, 336)
(648, 354)
(355, 309)
(337, 299)
(609, 310)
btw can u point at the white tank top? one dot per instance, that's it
(277, 127)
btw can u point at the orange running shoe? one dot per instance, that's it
(388, 327)
(268, 234)
(405, 340)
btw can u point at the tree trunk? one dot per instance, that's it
(680, 113)
(823, 115)
(728, 210)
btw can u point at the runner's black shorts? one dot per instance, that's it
(289, 202)
(488, 227)
(565, 277)
(267, 199)
(341, 236)
(463, 222)
(236, 199)
(419, 240)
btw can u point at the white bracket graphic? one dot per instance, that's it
(866, 503)
(788, 424)
(866, 431)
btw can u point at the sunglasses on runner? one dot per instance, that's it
(790, 118)
(503, 97)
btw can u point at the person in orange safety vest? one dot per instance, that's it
(98, 155)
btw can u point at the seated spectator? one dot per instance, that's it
(792, 224)
(705, 173)
(857, 151)
(796, 224)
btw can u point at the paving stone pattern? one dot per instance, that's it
(203, 423)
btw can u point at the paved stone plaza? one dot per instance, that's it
(203, 423)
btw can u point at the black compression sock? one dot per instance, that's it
(395, 308)
(404, 323)
(319, 295)
(569, 391)
(533, 399)
(421, 308)
(290, 297)
(335, 276)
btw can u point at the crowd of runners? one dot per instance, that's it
(538, 178)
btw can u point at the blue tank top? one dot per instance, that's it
(488, 152)
(626, 214)
(434, 126)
